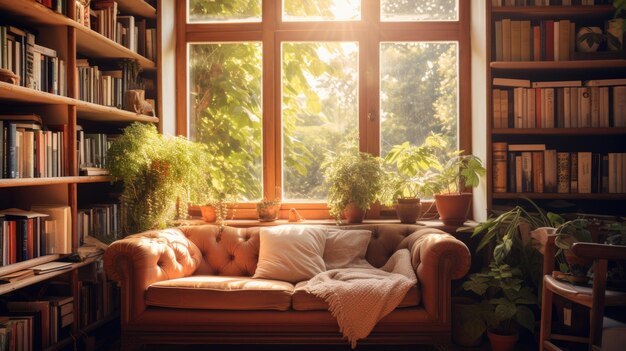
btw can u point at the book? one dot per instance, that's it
(527, 177)
(499, 167)
(605, 82)
(538, 171)
(573, 172)
(563, 172)
(557, 84)
(584, 172)
(50, 267)
(512, 82)
(16, 276)
(57, 237)
(550, 171)
(526, 147)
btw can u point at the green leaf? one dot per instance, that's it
(525, 318)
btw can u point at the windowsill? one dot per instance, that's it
(247, 223)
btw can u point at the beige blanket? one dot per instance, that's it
(360, 296)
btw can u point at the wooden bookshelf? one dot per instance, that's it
(602, 65)
(71, 41)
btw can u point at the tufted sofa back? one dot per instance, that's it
(235, 251)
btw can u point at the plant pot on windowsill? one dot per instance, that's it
(208, 213)
(453, 208)
(353, 213)
(408, 210)
(267, 211)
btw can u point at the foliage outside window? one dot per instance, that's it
(321, 92)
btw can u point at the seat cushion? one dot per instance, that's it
(303, 301)
(221, 293)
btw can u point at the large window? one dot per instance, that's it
(273, 86)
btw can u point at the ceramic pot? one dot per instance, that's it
(582, 45)
(267, 213)
(502, 342)
(408, 210)
(453, 208)
(208, 214)
(353, 213)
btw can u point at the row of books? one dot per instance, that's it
(99, 298)
(101, 221)
(37, 66)
(92, 153)
(124, 30)
(531, 168)
(500, 3)
(31, 150)
(36, 325)
(43, 230)
(59, 6)
(548, 40)
(104, 87)
(559, 107)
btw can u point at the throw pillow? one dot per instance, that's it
(346, 248)
(291, 253)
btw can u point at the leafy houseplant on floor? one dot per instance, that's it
(406, 181)
(449, 184)
(161, 175)
(355, 180)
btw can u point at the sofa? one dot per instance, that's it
(194, 285)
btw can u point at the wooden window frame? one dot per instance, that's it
(369, 32)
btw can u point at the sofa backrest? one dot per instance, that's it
(235, 251)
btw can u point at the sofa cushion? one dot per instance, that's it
(221, 293)
(291, 253)
(303, 301)
(346, 248)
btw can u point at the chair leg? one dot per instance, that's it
(546, 317)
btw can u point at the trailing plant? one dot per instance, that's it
(410, 164)
(161, 175)
(352, 177)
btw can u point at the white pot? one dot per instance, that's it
(581, 45)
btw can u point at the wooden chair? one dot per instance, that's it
(595, 297)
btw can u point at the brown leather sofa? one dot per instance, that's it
(193, 285)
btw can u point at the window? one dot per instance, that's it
(272, 86)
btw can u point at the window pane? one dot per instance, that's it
(224, 10)
(419, 92)
(225, 113)
(419, 10)
(321, 10)
(319, 108)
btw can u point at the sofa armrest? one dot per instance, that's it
(140, 260)
(438, 258)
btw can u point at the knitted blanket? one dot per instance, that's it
(358, 297)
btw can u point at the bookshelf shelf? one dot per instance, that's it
(558, 65)
(559, 131)
(86, 110)
(6, 288)
(137, 7)
(598, 11)
(553, 196)
(23, 182)
(95, 45)
(34, 13)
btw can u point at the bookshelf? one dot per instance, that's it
(565, 139)
(72, 42)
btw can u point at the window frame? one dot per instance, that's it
(369, 32)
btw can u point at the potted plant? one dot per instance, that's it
(355, 180)
(406, 180)
(267, 210)
(449, 184)
(160, 174)
(504, 307)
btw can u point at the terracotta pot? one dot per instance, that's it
(453, 208)
(353, 213)
(502, 342)
(208, 214)
(408, 210)
(268, 213)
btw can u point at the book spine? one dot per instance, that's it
(584, 172)
(11, 151)
(563, 172)
(573, 172)
(499, 167)
(527, 178)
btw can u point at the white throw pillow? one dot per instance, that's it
(346, 248)
(291, 253)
